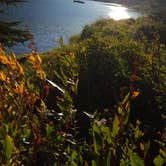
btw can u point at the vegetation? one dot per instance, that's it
(9, 34)
(114, 59)
(113, 70)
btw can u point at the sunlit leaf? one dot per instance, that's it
(3, 58)
(19, 68)
(31, 58)
(38, 58)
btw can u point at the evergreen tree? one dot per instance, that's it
(9, 33)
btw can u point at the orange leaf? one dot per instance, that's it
(31, 58)
(36, 61)
(134, 94)
(19, 89)
(3, 58)
(19, 68)
(71, 55)
(12, 62)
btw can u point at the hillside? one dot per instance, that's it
(114, 58)
(98, 101)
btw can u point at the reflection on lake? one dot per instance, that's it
(118, 12)
(50, 19)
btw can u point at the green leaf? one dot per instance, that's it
(97, 140)
(136, 160)
(96, 129)
(116, 127)
(49, 130)
(127, 114)
(8, 146)
(74, 155)
(109, 158)
(162, 153)
(126, 98)
(158, 161)
(147, 146)
(94, 163)
(120, 111)
(74, 163)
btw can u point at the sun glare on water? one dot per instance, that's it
(118, 12)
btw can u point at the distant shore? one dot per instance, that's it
(147, 6)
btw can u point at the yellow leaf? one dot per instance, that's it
(149, 57)
(40, 73)
(2, 76)
(38, 58)
(142, 146)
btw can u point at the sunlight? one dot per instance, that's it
(118, 13)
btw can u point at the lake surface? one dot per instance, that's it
(50, 19)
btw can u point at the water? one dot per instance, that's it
(50, 19)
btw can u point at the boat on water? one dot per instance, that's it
(78, 1)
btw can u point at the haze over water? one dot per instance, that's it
(50, 19)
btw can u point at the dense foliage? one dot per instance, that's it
(114, 70)
(115, 58)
